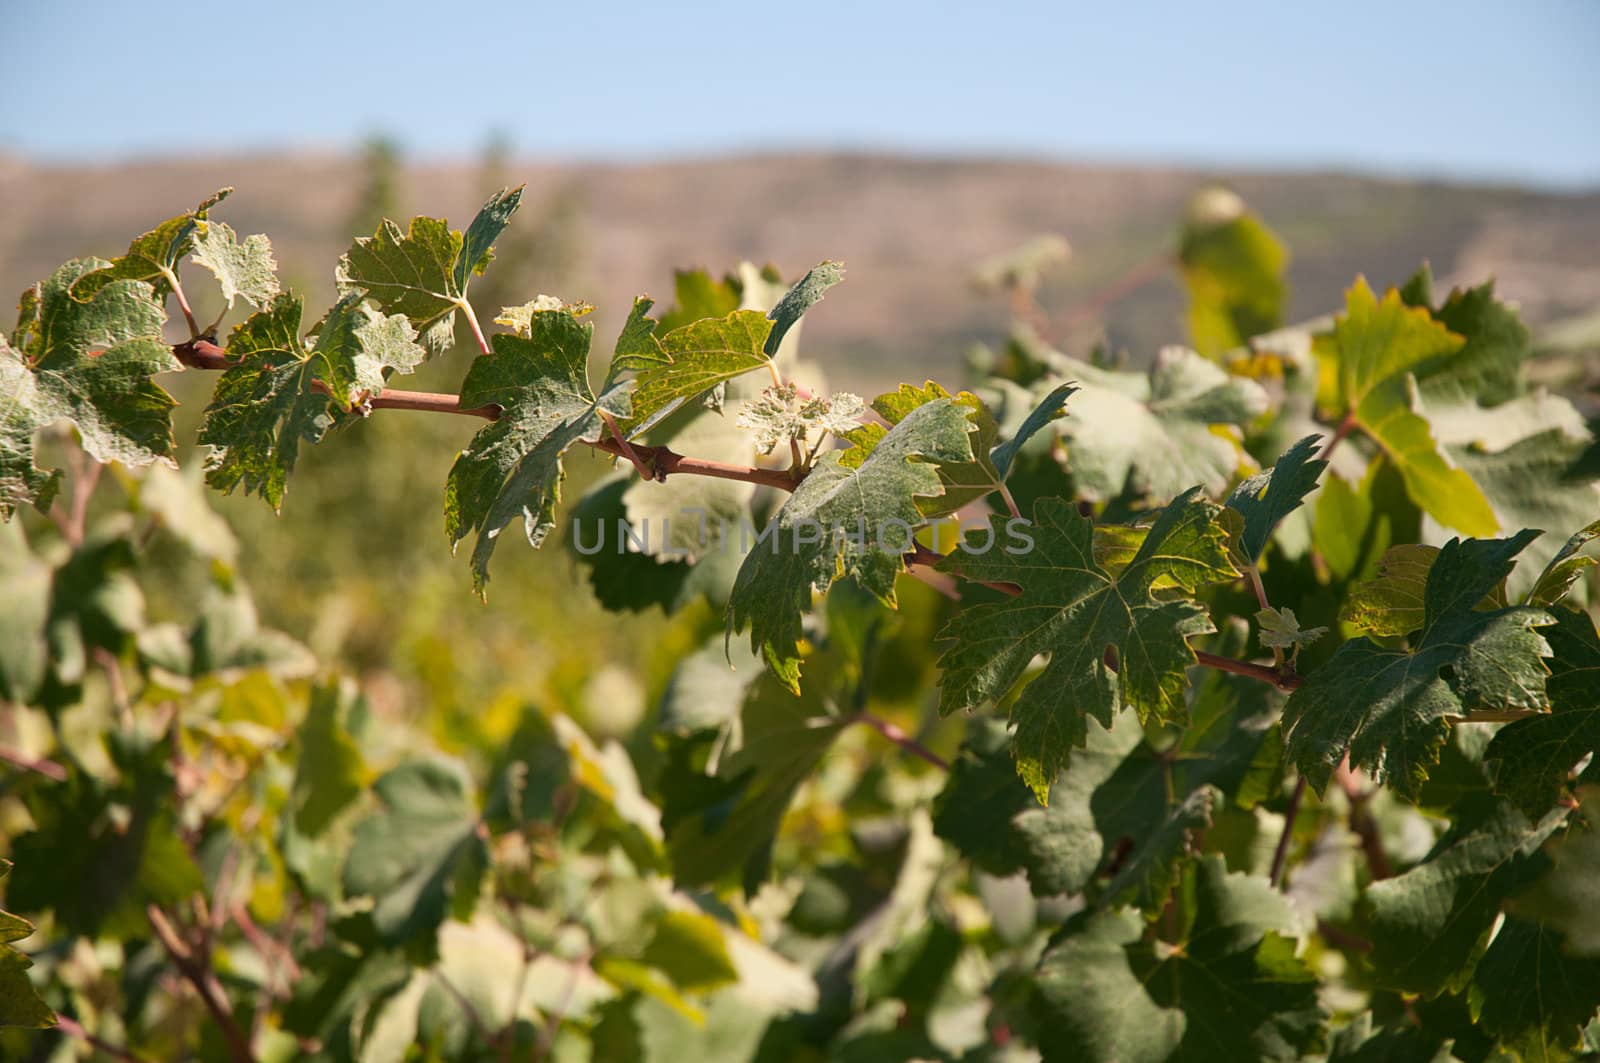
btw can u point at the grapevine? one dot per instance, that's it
(1240, 707)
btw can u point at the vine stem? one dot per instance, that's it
(48, 768)
(1345, 427)
(662, 461)
(72, 1028)
(205, 984)
(183, 302)
(1280, 855)
(472, 323)
(895, 734)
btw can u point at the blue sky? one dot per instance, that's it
(1469, 89)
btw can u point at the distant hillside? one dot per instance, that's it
(909, 230)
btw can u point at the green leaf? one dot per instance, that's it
(513, 467)
(637, 346)
(1393, 601)
(1091, 1005)
(1487, 369)
(1122, 811)
(965, 481)
(423, 272)
(476, 247)
(1047, 409)
(1528, 486)
(1280, 629)
(243, 270)
(689, 948)
(1390, 709)
(698, 357)
(20, 1003)
(1566, 897)
(1529, 994)
(277, 394)
(89, 363)
(1086, 620)
(329, 772)
(1536, 754)
(25, 588)
(1233, 267)
(1266, 498)
(152, 257)
(1430, 924)
(720, 815)
(1371, 362)
(1358, 1042)
(1564, 568)
(1154, 436)
(806, 293)
(420, 856)
(844, 521)
(1231, 988)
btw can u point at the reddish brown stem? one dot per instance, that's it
(194, 970)
(896, 735)
(48, 768)
(72, 1028)
(1278, 677)
(1344, 428)
(1280, 855)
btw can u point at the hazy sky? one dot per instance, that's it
(1468, 89)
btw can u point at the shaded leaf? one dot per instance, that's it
(152, 257)
(419, 856)
(1390, 709)
(805, 294)
(1266, 498)
(1074, 610)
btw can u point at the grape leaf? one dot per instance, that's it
(1157, 435)
(25, 580)
(513, 467)
(420, 856)
(1358, 1042)
(1393, 601)
(805, 294)
(1430, 923)
(89, 363)
(721, 817)
(1092, 1006)
(1045, 411)
(844, 521)
(1074, 610)
(1390, 709)
(329, 772)
(152, 257)
(1370, 364)
(1566, 897)
(1528, 486)
(1536, 754)
(1266, 498)
(1564, 568)
(1123, 807)
(20, 1003)
(423, 272)
(1531, 995)
(1231, 988)
(1233, 267)
(695, 359)
(282, 390)
(243, 270)
(1487, 369)
(964, 481)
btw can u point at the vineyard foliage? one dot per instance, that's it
(1242, 706)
